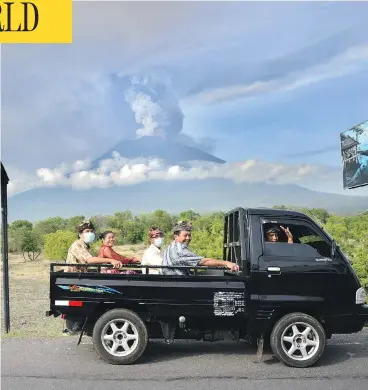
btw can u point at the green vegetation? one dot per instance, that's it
(57, 244)
(55, 235)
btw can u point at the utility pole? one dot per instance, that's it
(4, 246)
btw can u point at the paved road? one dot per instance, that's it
(59, 364)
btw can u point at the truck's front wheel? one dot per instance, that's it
(298, 340)
(120, 336)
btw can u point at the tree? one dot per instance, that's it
(188, 215)
(158, 218)
(100, 222)
(207, 237)
(50, 225)
(133, 233)
(280, 207)
(73, 223)
(20, 224)
(360, 264)
(119, 219)
(319, 215)
(162, 219)
(57, 244)
(31, 245)
(17, 233)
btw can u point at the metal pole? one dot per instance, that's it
(4, 220)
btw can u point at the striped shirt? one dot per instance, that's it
(178, 254)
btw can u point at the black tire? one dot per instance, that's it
(136, 328)
(280, 346)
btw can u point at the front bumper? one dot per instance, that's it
(362, 313)
(347, 323)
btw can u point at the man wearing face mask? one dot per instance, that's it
(153, 255)
(79, 250)
(79, 254)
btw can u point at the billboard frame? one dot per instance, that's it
(346, 187)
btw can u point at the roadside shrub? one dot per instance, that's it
(31, 245)
(56, 244)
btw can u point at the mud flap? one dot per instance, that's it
(82, 331)
(168, 331)
(259, 354)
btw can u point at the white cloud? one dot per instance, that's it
(349, 61)
(119, 171)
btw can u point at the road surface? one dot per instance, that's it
(58, 364)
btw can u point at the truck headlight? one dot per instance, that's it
(360, 296)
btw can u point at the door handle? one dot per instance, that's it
(273, 271)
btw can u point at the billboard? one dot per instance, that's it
(354, 151)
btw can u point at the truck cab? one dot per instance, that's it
(293, 292)
(311, 274)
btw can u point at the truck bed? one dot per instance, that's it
(208, 296)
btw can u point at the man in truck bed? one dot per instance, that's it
(178, 254)
(79, 253)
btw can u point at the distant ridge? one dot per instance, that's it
(174, 196)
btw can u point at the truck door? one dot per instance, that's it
(302, 274)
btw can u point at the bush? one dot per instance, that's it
(31, 245)
(57, 244)
(207, 237)
(22, 239)
(16, 239)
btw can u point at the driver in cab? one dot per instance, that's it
(273, 234)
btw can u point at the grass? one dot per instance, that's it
(29, 296)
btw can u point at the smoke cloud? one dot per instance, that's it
(155, 105)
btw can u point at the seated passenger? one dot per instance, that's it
(79, 250)
(106, 251)
(153, 254)
(178, 254)
(78, 253)
(273, 234)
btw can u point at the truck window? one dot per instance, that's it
(307, 242)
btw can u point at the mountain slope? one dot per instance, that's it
(156, 147)
(174, 196)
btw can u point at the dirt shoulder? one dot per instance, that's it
(29, 297)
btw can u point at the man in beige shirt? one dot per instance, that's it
(79, 254)
(79, 251)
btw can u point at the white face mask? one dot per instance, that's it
(159, 241)
(88, 237)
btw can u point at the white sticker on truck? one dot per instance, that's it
(228, 303)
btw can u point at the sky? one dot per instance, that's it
(265, 86)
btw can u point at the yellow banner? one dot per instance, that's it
(36, 21)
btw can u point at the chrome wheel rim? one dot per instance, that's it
(300, 341)
(119, 337)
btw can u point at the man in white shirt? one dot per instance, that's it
(153, 255)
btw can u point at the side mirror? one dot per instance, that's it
(333, 249)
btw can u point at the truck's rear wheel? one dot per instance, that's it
(298, 340)
(120, 336)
